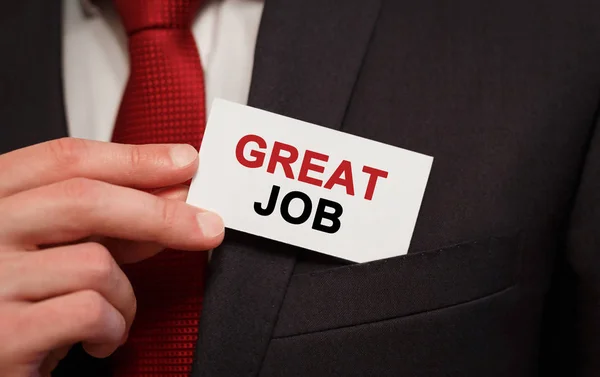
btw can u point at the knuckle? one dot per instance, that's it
(135, 156)
(77, 200)
(168, 212)
(99, 263)
(79, 188)
(67, 151)
(94, 308)
(141, 156)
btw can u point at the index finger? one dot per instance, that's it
(138, 166)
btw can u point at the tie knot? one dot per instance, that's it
(139, 15)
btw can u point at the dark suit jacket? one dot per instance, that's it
(503, 274)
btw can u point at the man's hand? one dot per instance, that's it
(57, 287)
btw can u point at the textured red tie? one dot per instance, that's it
(162, 103)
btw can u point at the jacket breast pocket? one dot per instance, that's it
(396, 287)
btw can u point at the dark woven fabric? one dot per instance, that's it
(503, 93)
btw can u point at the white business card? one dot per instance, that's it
(309, 186)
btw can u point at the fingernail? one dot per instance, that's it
(210, 223)
(183, 155)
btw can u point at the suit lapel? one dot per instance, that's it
(31, 100)
(307, 59)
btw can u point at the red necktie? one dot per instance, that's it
(163, 103)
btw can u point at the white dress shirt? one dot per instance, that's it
(95, 58)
